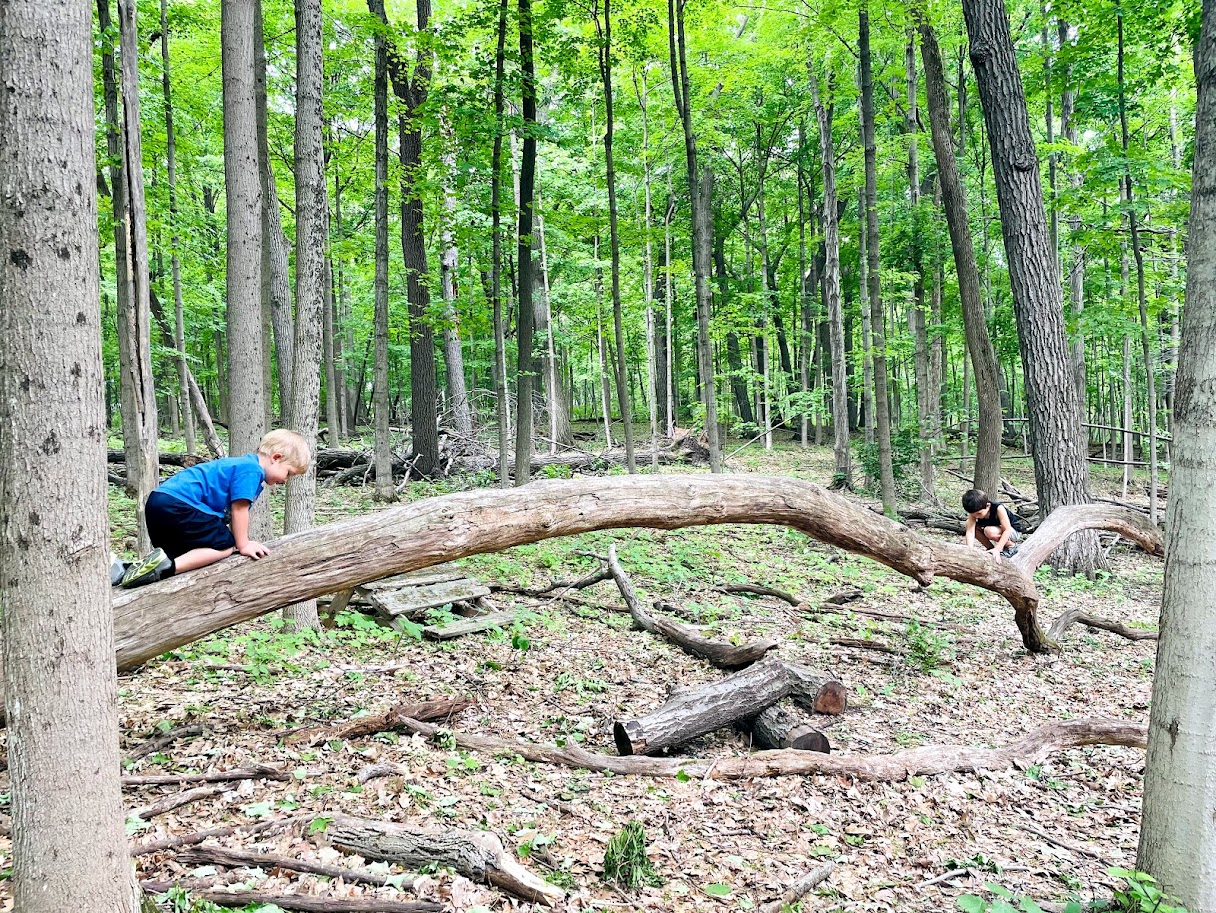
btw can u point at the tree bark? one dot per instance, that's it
(57, 652)
(500, 345)
(276, 281)
(843, 476)
(525, 323)
(987, 473)
(242, 190)
(175, 266)
(700, 195)
(385, 490)
(1076, 269)
(882, 406)
(312, 208)
(1056, 441)
(614, 242)
(1178, 835)
(453, 355)
(780, 727)
(927, 399)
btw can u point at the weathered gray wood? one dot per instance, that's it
(696, 711)
(416, 578)
(205, 890)
(409, 601)
(339, 603)
(470, 626)
(164, 615)
(781, 727)
(475, 854)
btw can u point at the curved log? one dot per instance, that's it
(337, 556)
(1064, 521)
(1080, 616)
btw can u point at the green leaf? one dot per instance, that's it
(682, 776)
(717, 889)
(318, 824)
(970, 903)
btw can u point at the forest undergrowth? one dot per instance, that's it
(954, 672)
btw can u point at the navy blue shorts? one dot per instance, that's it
(177, 527)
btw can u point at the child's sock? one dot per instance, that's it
(172, 569)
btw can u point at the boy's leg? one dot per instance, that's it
(989, 536)
(200, 557)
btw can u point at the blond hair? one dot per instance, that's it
(290, 445)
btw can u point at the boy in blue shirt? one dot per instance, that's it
(188, 515)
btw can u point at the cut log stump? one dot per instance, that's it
(781, 727)
(475, 854)
(696, 711)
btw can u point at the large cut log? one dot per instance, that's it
(716, 652)
(781, 727)
(337, 556)
(475, 854)
(696, 711)
(913, 762)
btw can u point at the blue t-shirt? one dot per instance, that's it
(213, 486)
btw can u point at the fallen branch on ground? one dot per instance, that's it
(254, 772)
(235, 859)
(203, 890)
(177, 800)
(440, 709)
(164, 740)
(1080, 616)
(475, 854)
(925, 761)
(799, 889)
(170, 843)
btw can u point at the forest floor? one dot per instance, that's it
(1049, 831)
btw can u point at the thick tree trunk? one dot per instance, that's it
(242, 189)
(1058, 446)
(312, 208)
(175, 266)
(843, 477)
(385, 490)
(526, 274)
(987, 474)
(700, 195)
(1178, 836)
(276, 281)
(69, 850)
(927, 395)
(882, 408)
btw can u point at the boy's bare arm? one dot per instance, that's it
(970, 540)
(240, 532)
(1006, 529)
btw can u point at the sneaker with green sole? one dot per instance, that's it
(147, 570)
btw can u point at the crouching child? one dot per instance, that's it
(201, 515)
(991, 525)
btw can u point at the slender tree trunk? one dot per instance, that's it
(614, 242)
(527, 191)
(69, 850)
(175, 266)
(1076, 269)
(867, 350)
(331, 340)
(842, 477)
(1178, 833)
(500, 346)
(242, 189)
(926, 398)
(600, 346)
(136, 386)
(882, 410)
(669, 326)
(804, 304)
(1150, 368)
(276, 250)
(700, 194)
(1058, 446)
(385, 490)
(453, 355)
(987, 474)
(652, 373)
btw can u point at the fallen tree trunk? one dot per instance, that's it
(475, 854)
(236, 859)
(181, 460)
(780, 727)
(1080, 616)
(204, 890)
(925, 761)
(717, 653)
(337, 556)
(696, 711)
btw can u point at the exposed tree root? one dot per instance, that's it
(1080, 616)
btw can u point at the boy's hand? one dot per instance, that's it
(254, 550)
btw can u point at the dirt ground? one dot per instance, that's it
(962, 677)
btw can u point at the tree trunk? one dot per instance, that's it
(453, 355)
(1178, 834)
(136, 385)
(842, 478)
(556, 392)
(331, 339)
(652, 336)
(69, 849)
(276, 281)
(882, 407)
(926, 397)
(385, 490)
(987, 474)
(500, 345)
(1056, 441)
(312, 208)
(604, 48)
(700, 195)
(179, 333)
(867, 349)
(527, 191)
(242, 189)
